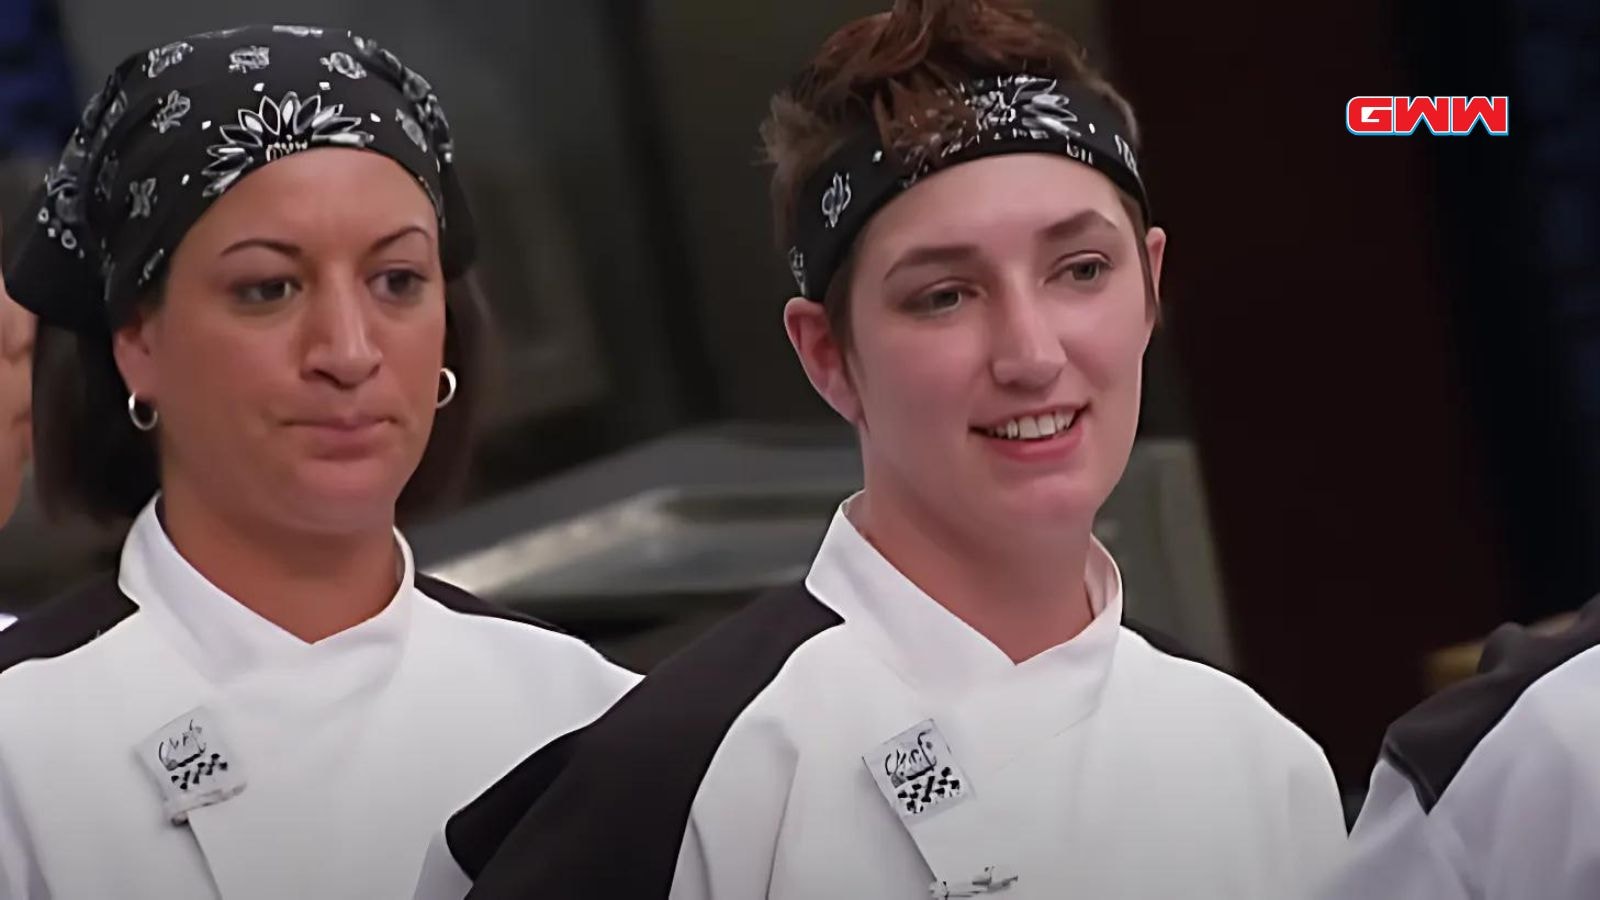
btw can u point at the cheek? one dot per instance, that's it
(1108, 346)
(919, 373)
(223, 373)
(414, 353)
(220, 400)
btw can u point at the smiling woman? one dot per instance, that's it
(257, 238)
(952, 704)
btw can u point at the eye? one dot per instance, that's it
(271, 290)
(401, 284)
(938, 300)
(1084, 270)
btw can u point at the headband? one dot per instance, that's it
(1009, 114)
(177, 126)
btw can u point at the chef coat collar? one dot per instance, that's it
(222, 636)
(931, 646)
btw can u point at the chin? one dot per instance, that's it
(346, 497)
(344, 519)
(1053, 502)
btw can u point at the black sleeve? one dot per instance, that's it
(601, 813)
(66, 623)
(1430, 744)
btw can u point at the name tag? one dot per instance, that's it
(919, 777)
(191, 763)
(917, 773)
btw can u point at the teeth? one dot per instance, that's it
(1030, 428)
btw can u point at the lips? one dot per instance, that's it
(345, 437)
(342, 423)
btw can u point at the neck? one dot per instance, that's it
(1025, 596)
(310, 585)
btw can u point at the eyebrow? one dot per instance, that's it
(292, 250)
(1077, 225)
(1072, 226)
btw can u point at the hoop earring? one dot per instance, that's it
(449, 389)
(145, 423)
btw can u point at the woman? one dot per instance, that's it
(252, 233)
(951, 703)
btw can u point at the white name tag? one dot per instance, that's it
(917, 773)
(191, 763)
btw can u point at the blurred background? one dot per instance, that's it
(1372, 410)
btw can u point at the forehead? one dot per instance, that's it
(326, 190)
(995, 202)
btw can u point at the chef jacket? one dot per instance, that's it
(160, 740)
(854, 738)
(1490, 790)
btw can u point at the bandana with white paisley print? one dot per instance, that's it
(178, 125)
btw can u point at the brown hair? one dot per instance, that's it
(883, 69)
(90, 460)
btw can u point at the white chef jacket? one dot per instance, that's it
(1490, 790)
(351, 751)
(745, 767)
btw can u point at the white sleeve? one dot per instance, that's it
(691, 880)
(730, 842)
(20, 878)
(442, 878)
(1527, 803)
(1397, 851)
(1516, 822)
(727, 856)
(730, 861)
(1317, 816)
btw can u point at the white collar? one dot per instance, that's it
(222, 636)
(934, 650)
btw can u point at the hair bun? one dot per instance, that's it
(943, 17)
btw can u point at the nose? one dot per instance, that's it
(340, 343)
(1027, 353)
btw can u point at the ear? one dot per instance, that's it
(821, 356)
(1155, 243)
(133, 347)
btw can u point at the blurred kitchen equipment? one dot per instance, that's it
(682, 531)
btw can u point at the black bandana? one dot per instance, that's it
(1011, 114)
(177, 126)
